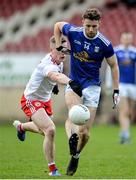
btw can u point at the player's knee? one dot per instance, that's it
(50, 131)
(84, 134)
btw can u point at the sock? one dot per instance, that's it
(20, 128)
(125, 134)
(77, 155)
(52, 166)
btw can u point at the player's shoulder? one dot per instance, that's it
(119, 48)
(132, 48)
(75, 28)
(46, 62)
(122, 48)
(46, 59)
(104, 39)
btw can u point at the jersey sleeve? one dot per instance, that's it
(135, 54)
(66, 29)
(108, 51)
(49, 68)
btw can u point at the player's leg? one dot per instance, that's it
(91, 100)
(83, 137)
(23, 127)
(71, 129)
(27, 126)
(124, 120)
(132, 102)
(132, 110)
(84, 131)
(27, 107)
(72, 132)
(44, 122)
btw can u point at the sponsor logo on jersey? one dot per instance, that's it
(77, 42)
(83, 56)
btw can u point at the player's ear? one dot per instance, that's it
(83, 21)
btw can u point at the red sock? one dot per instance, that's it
(20, 128)
(52, 167)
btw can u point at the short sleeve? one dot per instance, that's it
(109, 51)
(66, 28)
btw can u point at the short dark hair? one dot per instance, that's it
(92, 14)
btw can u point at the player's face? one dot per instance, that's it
(126, 39)
(91, 27)
(59, 57)
(62, 56)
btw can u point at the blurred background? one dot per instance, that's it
(25, 29)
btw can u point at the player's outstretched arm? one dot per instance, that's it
(58, 77)
(63, 79)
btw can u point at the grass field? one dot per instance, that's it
(103, 157)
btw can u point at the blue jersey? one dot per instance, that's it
(127, 63)
(87, 55)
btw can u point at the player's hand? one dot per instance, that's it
(116, 98)
(55, 89)
(63, 50)
(75, 87)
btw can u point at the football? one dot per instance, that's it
(79, 114)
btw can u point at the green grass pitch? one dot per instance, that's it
(103, 157)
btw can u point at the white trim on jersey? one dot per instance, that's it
(132, 48)
(121, 47)
(105, 40)
(78, 29)
(90, 38)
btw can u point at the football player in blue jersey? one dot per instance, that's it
(88, 49)
(126, 56)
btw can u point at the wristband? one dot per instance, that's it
(116, 91)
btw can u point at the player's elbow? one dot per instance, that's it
(59, 25)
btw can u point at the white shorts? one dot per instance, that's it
(128, 90)
(91, 95)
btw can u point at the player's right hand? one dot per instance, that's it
(63, 50)
(75, 87)
(116, 98)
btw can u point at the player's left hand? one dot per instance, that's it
(55, 89)
(63, 50)
(116, 98)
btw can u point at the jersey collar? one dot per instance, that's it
(91, 38)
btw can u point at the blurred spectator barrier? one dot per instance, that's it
(15, 69)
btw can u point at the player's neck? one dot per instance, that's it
(126, 46)
(95, 36)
